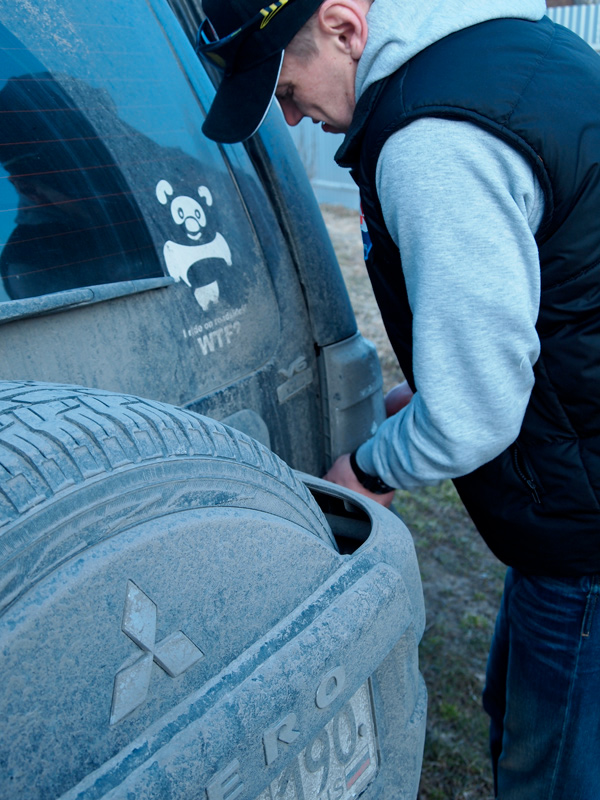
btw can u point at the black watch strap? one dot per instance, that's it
(370, 482)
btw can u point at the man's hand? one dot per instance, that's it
(397, 398)
(342, 473)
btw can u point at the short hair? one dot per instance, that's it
(304, 45)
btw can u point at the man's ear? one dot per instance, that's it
(346, 22)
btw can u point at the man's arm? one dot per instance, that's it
(463, 206)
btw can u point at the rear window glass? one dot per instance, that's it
(104, 173)
(68, 218)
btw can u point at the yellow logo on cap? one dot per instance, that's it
(270, 11)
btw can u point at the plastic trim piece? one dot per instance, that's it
(46, 304)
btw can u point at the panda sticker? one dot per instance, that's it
(189, 213)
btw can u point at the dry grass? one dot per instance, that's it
(462, 581)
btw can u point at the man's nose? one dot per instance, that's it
(291, 113)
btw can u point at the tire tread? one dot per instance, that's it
(55, 437)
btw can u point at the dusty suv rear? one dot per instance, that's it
(182, 614)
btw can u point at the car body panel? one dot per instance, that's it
(139, 258)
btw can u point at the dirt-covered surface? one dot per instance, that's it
(462, 581)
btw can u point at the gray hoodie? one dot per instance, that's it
(463, 208)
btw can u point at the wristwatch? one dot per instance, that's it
(370, 482)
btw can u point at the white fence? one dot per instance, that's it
(332, 184)
(584, 20)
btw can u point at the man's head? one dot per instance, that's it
(323, 40)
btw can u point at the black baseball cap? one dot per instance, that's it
(246, 40)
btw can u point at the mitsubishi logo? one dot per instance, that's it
(175, 654)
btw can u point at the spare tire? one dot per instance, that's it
(80, 465)
(143, 549)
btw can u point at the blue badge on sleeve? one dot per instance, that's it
(367, 244)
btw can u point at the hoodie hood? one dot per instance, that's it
(399, 29)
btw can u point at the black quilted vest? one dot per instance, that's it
(537, 86)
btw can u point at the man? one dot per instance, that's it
(473, 132)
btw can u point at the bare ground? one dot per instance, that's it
(462, 581)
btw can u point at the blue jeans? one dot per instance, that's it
(543, 689)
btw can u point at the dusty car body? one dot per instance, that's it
(185, 610)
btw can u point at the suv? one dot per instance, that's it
(182, 614)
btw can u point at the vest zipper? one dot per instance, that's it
(524, 475)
